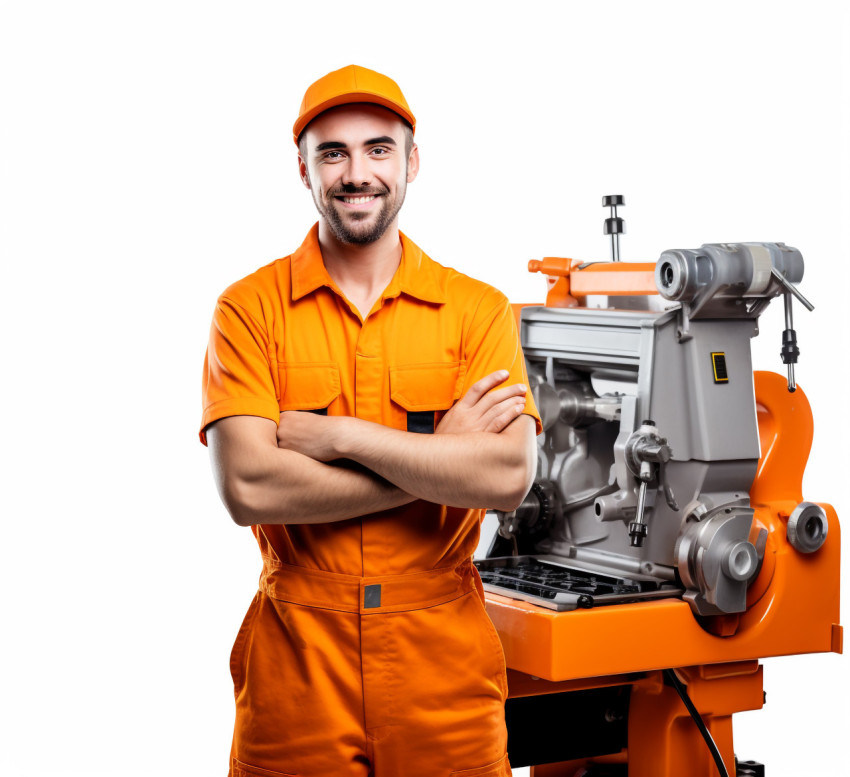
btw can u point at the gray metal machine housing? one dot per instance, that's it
(650, 441)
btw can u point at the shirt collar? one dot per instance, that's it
(417, 274)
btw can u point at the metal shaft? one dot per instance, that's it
(615, 238)
(637, 528)
(789, 325)
(641, 503)
(614, 225)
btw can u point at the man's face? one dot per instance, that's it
(354, 160)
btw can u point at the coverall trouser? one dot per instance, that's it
(394, 676)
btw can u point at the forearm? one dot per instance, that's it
(261, 483)
(482, 453)
(296, 489)
(473, 469)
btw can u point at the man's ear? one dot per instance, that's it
(302, 171)
(413, 164)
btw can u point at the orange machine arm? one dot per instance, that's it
(570, 279)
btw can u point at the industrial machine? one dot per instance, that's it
(665, 546)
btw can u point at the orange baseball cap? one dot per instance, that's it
(351, 84)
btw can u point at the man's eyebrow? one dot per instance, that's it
(383, 140)
(329, 144)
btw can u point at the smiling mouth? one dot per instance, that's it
(356, 200)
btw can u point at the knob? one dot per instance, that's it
(807, 527)
(614, 225)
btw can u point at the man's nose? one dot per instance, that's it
(357, 172)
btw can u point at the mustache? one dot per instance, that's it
(353, 191)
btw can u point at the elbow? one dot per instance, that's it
(240, 515)
(515, 487)
(519, 466)
(511, 501)
(235, 494)
(247, 504)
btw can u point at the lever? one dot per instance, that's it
(647, 453)
(637, 528)
(788, 286)
(790, 351)
(665, 486)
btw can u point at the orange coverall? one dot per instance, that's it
(367, 649)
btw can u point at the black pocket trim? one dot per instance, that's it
(421, 421)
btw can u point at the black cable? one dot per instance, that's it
(706, 734)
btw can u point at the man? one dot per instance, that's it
(367, 649)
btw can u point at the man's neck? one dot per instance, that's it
(365, 266)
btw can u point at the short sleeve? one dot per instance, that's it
(493, 344)
(238, 371)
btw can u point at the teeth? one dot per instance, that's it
(358, 200)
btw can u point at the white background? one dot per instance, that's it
(147, 163)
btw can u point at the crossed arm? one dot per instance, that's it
(481, 455)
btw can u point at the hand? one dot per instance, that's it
(310, 434)
(483, 410)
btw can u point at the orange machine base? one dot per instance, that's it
(663, 740)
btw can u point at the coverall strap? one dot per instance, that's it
(366, 595)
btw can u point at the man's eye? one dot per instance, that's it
(380, 151)
(333, 155)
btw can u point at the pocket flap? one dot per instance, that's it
(308, 386)
(433, 386)
(499, 768)
(246, 770)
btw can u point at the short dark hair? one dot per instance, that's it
(408, 139)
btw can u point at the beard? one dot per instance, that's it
(357, 228)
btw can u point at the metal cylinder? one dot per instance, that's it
(807, 527)
(729, 270)
(740, 560)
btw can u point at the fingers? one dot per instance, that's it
(505, 412)
(479, 389)
(493, 398)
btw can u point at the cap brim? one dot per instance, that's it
(346, 99)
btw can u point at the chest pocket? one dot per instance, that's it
(309, 386)
(426, 391)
